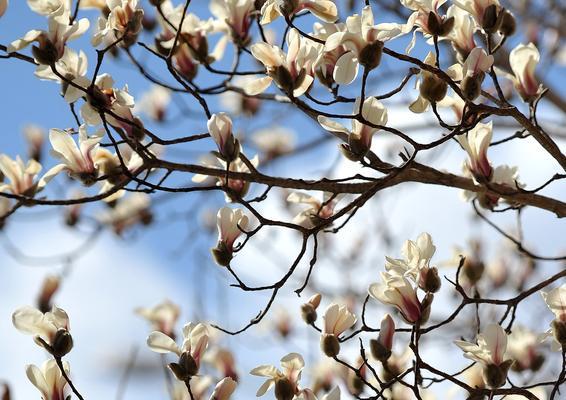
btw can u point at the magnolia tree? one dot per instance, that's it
(342, 74)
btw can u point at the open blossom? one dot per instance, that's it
(78, 160)
(490, 351)
(462, 34)
(220, 129)
(285, 381)
(316, 211)
(523, 347)
(326, 10)
(416, 256)
(556, 302)
(476, 143)
(236, 17)
(336, 320)
(73, 66)
(483, 11)
(427, 19)
(195, 343)
(49, 380)
(291, 71)
(162, 317)
(230, 224)
(22, 176)
(51, 8)
(124, 22)
(50, 330)
(523, 60)
(360, 135)
(154, 102)
(476, 65)
(396, 290)
(224, 389)
(51, 43)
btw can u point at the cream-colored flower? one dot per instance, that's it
(22, 177)
(325, 10)
(394, 289)
(230, 225)
(476, 143)
(491, 346)
(49, 380)
(162, 317)
(124, 22)
(524, 60)
(292, 365)
(154, 102)
(224, 389)
(235, 18)
(59, 9)
(317, 210)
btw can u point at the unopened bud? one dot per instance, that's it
(62, 343)
(370, 56)
(222, 254)
(284, 389)
(426, 307)
(508, 24)
(432, 87)
(495, 376)
(559, 331)
(6, 392)
(355, 384)
(429, 281)
(138, 129)
(308, 313)
(48, 289)
(473, 270)
(490, 21)
(330, 345)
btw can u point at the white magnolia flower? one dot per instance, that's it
(199, 387)
(3, 6)
(49, 380)
(317, 210)
(326, 10)
(124, 21)
(462, 34)
(336, 320)
(477, 9)
(195, 343)
(50, 329)
(51, 43)
(78, 160)
(274, 141)
(386, 332)
(360, 135)
(490, 349)
(22, 177)
(396, 290)
(416, 256)
(556, 302)
(154, 102)
(524, 60)
(235, 17)
(223, 360)
(230, 224)
(523, 347)
(162, 317)
(291, 71)
(476, 143)
(292, 365)
(224, 389)
(220, 129)
(129, 211)
(477, 62)
(59, 9)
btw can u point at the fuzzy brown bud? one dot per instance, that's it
(429, 281)
(426, 306)
(222, 254)
(471, 87)
(559, 331)
(330, 345)
(308, 313)
(62, 343)
(495, 376)
(370, 56)
(508, 24)
(284, 389)
(379, 351)
(432, 87)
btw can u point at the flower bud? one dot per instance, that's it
(308, 313)
(348, 153)
(508, 24)
(222, 255)
(425, 307)
(432, 87)
(471, 87)
(330, 345)
(370, 56)
(6, 392)
(137, 129)
(429, 281)
(355, 384)
(48, 289)
(46, 53)
(62, 343)
(473, 270)
(495, 376)
(284, 389)
(559, 331)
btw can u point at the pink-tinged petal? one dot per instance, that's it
(37, 379)
(496, 341)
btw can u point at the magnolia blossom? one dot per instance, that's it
(490, 351)
(523, 60)
(73, 66)
(49, 380)
(480, 10)
(124, 21)
(360, 135)
(230, 224)
(224, 389)
(556, 302)
(285, 381)
(220, 129)
(22, 177)
(236, 17)
(462, 34)
(289, 71)
(317, 210)
(396, 290)
(223, 360)
(78, 160)
(51, 43)
(35, 136)
(195, 342)
(238, 187)
(416, 256)
(50, 329)
(477, 63)
(52, 8)
(326, 10)
(476, 143)
(129, 211)
(154, 102)
(274, 141)
(163, 316)
(336, 320)
(199, 385)
(523, 347)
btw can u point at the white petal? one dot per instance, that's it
(161, 343)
